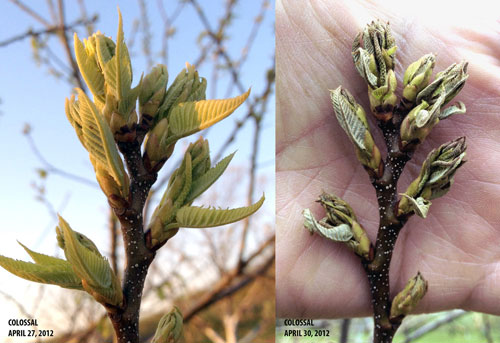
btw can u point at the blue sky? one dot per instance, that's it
(30, 95)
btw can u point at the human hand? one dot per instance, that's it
(457, 248)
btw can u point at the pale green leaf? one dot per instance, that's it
(43, 259)
(87, 63)
(173, 93)
(190, 117)
(60, 273)
(198, 91)
(90, 266)
(123, 64)
(99, 140)
(72, 110)
(380, 92)
(200, 217)
(187, 181)
(201, 184)
(118, 70)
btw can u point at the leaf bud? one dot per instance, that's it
(406, 300)
(419, 123)
(374, 52)
(169, 328)
(436, 177)
(152, 92)
(187, 86)
(200, 154)
(447, 84)
(383, 99)
(340, 225)
(157, 151)
(111, 188)
(416, 78)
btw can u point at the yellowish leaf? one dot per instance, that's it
(190, 117)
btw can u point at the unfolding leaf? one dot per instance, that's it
(199, 217)
(92, 268)
(99, 140)
(87, 63)
(43, 259)
(48, 270)
(72, 110)
(118, 69)
(190, 117)
(201, 184)
(179, 200)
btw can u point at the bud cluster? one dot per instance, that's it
(339, 225)
(374, 52)
(430, 99)
(195, 164)
(435, 179)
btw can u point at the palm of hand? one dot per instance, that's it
(457, 248)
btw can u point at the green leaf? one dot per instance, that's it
(190, 117)
(92, 268)
(187, 180)
(72, 110)
(47, 270)
(201, 184)
(122, 61)
(87, 63)
(43, 259)
(199, 217)
(99, 140)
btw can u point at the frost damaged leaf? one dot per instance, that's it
(458, 108)
(190, 117)
(419, 205)
(199, 217)
(352, 119)
(349, 117)
(340, 233)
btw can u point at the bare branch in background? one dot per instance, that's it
(50, 168)
(429, 327)
(51, 30)
(344, 330)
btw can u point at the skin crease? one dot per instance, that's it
(457, 248)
